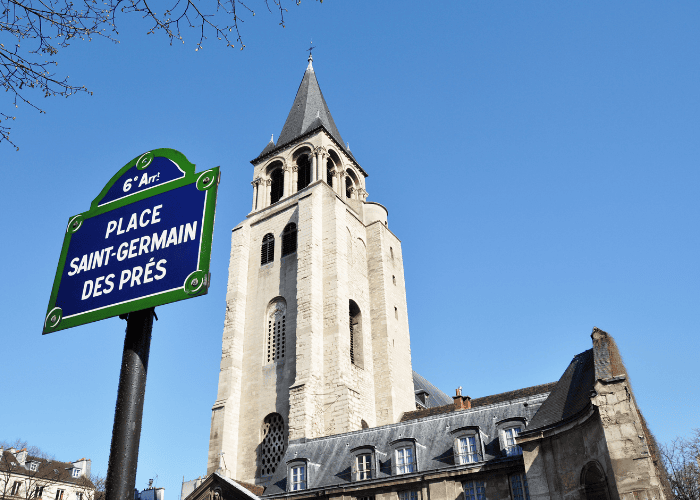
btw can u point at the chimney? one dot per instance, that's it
(462, 402)
(22, 456)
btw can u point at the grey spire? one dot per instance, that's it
(270, 146)
(308, 111)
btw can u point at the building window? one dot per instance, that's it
(298, 475)
(396, 312)
(15, 488)
(33, 466)
(518, 487)
(509, 436)
(273, 444)
(276, 330)
(76, 472)
(393, 278)
(391, 251)
(594, 482)
(79, 496)
(303, 172)
(330, 168)
(289, 239)
(355, 320)
(59, 494)
(467, 450)
(404, 460)
(474, 490)
(408, 495)
(363, 465)
(267, 252)
(38, 492)
(349, 187)
(277, 188)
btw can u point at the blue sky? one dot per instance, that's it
(539, 162)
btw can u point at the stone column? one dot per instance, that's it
(261, 194)
(341, 184)
(287, 181)
(321, 162)
(268, 192)
(295, 178)
(255, 195)
(313, 167)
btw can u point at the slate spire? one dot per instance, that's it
(308, 111)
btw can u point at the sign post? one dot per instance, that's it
(145, 242)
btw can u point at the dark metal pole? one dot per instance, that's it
(126, 433)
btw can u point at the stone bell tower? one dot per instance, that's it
(315, 337)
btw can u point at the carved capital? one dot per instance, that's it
(320, 150)
(295, 168)
(268, 182)
(258, 181)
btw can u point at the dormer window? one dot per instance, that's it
(75, 472)
(297, 471)
(363, 464)
(511, 449)
(508, 431)
(405, 461)
(467, 445)
(33, 466)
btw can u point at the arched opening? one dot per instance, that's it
(289, 239)
(273, 444)
(276, 319)
(594, 482)
(349, 187)
(356, 357)
(267, 251)
(330, 168)
(303, 172)
(277, 189)
(352, 184)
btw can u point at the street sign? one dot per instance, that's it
(145, 242)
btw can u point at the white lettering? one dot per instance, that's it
(161, 269)
(83, 264)
(132, 223)
(74, 265)
(111, 226)
(143, 248)
(124, 278)
(132, 248)
(136, 276)
(157, 242)
(97, 286)
(108, 253)
(108, 281)
(87, 291)
(144, 180)
(97, 261)
(154, 218)
(172, 237)
(119, 228)
(141, 222)
(123, 251)
(148, 271)
(190, 231)
(179, 238)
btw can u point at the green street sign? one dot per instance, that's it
(145, 242)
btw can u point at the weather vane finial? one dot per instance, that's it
(312, 47)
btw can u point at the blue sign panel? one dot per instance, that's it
(146, 241)
(139, 250)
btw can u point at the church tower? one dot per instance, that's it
(315, 338)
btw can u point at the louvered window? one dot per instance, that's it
(275, 339)
(289, 239)
(267, 252)
(273, 444)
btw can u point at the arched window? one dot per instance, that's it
(289, 239)
(277, 185)
(267, 252)
(273, 444)
(349, 186)
(330, 168)
(355, 335)
(594, 481)
(304, 172)
(276, 330)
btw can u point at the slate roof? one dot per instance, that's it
(570, 396)
(46, 470)
(330, 458)
(436, 396)
(486, 400)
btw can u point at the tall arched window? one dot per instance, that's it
(276, 330)
(273, 444)
(330, 167)
(594, 481)
(289, 239)
(304, 172)
(349, 186)
(355, 335)
(267, 252)
(277, 185)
